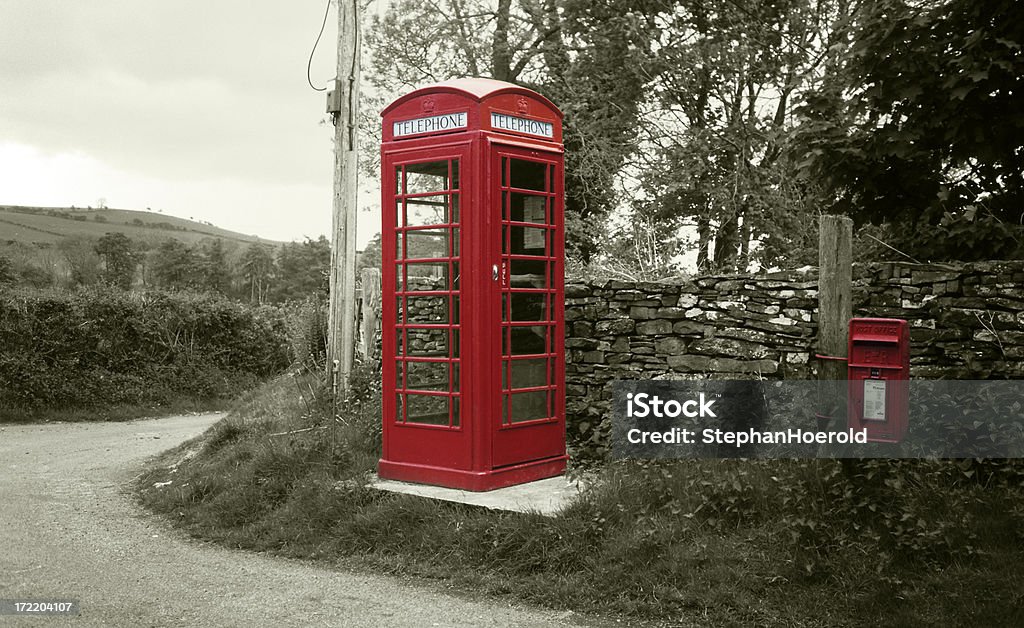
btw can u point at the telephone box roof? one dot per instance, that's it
(478, 89)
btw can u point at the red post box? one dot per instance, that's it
(472, 286)
(878, 397)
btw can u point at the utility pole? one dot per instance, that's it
(343, 104)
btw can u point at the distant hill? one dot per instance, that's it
(45, 226)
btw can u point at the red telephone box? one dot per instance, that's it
(879, 372)
(472, 286)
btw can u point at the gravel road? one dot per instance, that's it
(69, 530)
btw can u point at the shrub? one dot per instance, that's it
(100, 347)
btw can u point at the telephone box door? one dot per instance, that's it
(424, 223)
(528, 321)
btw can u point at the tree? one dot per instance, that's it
(83, 262)
(302, 269)
(257, 271)
(216, 273)
(174, 265)
(120, 258)
(920, 125)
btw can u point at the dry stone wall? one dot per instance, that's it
(967, 322)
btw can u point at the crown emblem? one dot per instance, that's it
(428, 104)
(522, 105)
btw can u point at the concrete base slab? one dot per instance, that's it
(547, 496)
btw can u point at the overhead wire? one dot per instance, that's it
(309, 64)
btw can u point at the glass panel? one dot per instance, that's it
(427, 276)
(426, 177)
(455, 377)
(504, 172)
(426, 375)
(529, 340)
(427, 310)
(455, 208)
(529, 241)
(399, 310)
(504, 241)
(455, 411)
(528, 406)
(529, 273)
(528, 175)
(455, 309)
(529, 373)
(398, 184)
(399, 279)
(399, 214)
(455, 343)
(528, 306)
(505, 370)
(428, 409)
(427, 342)
(504, 409)
(398, 408)
(455, 174)
(529, 208)
(504, 207)
(455, 242)
(427, 244)
(426, 210)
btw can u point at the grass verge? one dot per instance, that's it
(721, 542)
(116, 412)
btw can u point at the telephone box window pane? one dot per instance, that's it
(427, 276)
(455, 278)
(455, 343)
(529, 241)
(455, 309)
(455, 175)
(528, 273)
(398, 408)
(455, 411)
(399, 310)
(427, 409)
(529, 373)
(426, 177)
(431, 343)
(455, 208)
(529, 208)
(528, 306)
(528, 175)
(529, 406)
(426, 210)
(504, 172)
(529, 340)
(398, 181)
(427, 310)
(399, 279)
(455, 242)
(505, 370)
(426, 376)
(455, 377)
(427, 244)
(399, 213)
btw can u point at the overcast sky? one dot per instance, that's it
(198, 108)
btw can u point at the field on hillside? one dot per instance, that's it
(42, 226)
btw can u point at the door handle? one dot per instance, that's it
(494, 272)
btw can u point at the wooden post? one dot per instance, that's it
(343, 102)
(371, 311)
(835, 307)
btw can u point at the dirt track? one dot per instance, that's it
(69, 531)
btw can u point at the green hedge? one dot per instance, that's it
(103, 348)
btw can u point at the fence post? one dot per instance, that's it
(835, 307)
(371, 311)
